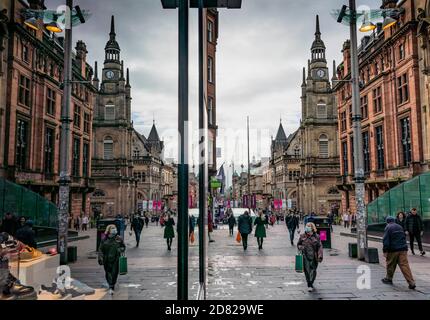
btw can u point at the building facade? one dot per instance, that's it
(319, 165)
(392, 112)
(30, 121)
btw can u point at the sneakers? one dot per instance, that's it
(111, 292)
(423, 254)
(387, 281)
(413, 252)
(311, 289)
(412, 286)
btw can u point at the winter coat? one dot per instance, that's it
(245, 224)
(27, 236)
(394, 239)
(260, 230)
(414, 224)
(110, 250)
(232, 221)
(292, 222)
(137, 224)
(169, 232)
(10, 226)
(311, 247)
(402, 223)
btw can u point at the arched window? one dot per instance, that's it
(323, 146)
(108, 148)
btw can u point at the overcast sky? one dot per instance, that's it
(262, 49)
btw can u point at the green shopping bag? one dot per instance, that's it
(123, 267)
(299, 263)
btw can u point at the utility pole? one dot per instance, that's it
(64, 189)
(358, 138)
(249, 171)
(183, 151)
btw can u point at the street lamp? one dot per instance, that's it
(351, 15)
(72, 16)
(183, 9)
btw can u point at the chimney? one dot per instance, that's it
(81, 57)
(346, 57)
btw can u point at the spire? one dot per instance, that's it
(281, 136)
(128, 78)
(96, 71)
(309, 70)
(318, 47)
(318, 31)
(304, 77)
(112, 28)
(122, 70)
(153, 135)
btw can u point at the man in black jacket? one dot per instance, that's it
(292, 222)
(245, 228)
(396, 253)
(415, 228)
(137, 226)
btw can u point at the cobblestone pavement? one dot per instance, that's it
(236, 275)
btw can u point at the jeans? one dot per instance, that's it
(137, 235)
(231, 231)
(112, 272)
(260, 242)
(417, 236)
(292, 234)
(245, 241)
(400, 259)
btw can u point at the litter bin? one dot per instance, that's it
(323, 230)
(102, 225)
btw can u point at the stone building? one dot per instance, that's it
(318, 136)
(30, 114)
(393, 115)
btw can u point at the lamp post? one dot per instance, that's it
(249, 170)
(183, 6)
(359, 178)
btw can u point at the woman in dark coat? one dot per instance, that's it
(260, 230)
(231, 223)
(311, 247)
(401, 220)
(169, 232)
(110, 251)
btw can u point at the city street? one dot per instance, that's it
(235, 275)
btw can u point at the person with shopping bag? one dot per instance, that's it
(192, 225)
(311, 248)
(110, 251)
(245, 228)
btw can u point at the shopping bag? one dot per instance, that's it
(239, 237)
(299, 263)
(192, 238)
(123, 267)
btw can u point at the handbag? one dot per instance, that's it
(238, 237)
(123, 266)
(299, 263)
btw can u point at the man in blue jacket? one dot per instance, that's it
(396, 253)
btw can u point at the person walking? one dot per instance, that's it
(245, 228)
(109, 253)
(415, 229)
(85, 221)
(192, 226)
(311, 247)
(231, 223)
(210, 226)
(401, 220)
(292, 222)
(27, 235)
(395, 250)
(260, 230)
(9, 224)
(146, 220)
(345, 219)
(353, 220)
(137, 226)
(169, 231)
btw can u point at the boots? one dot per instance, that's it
(16, 291)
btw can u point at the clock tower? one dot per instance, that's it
(318, 134)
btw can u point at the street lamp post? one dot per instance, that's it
(249, 171)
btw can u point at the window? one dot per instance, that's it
(211, 111)
(345, 158)
(110, 112)
(377, 68)
(377, 100)
(22, 136)
(49, 150)
(380, 148)
(108, 149)
(87, 122)
(297, 152)
(210, 69)
(25, 53)
(402, 89)
(136, 153)
(76, 157)
(366, 150)
(24, 91)
(51, 98)
(321, 111)
(323, 146)
(343, 121)
(406, 141)
(402, 52)
(364, 107)
(86, 160)
(77, 116)
(210, 31)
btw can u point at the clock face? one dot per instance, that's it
(321, 73)
(110, 74)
